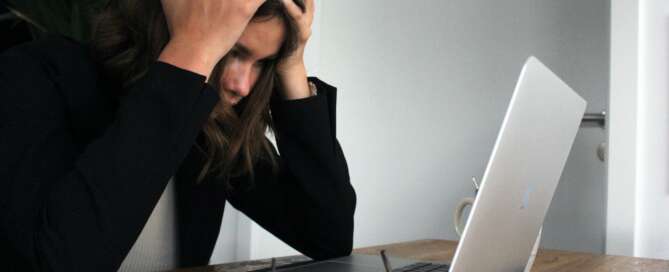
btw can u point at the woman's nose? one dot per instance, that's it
(238, 79)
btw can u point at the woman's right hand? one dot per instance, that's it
(203, 31)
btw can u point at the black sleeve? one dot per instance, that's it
(61, 212)
(309, 204)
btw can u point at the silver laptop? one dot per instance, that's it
(537, 133)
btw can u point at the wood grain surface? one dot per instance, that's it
(547, 260)
(443, 250)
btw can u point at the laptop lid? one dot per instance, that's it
(534, 141)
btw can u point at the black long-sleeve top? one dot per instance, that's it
(81, 168)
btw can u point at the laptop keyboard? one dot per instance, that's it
(423, 267)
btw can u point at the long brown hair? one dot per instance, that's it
(128, 35)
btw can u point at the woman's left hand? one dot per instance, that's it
(291, 70)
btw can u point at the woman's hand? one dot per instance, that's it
(203, 31)
(291, 70)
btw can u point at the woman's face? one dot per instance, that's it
(259, 44)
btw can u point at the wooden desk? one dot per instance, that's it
(442, 250)
(547, 260)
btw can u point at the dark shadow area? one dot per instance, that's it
(12, 29)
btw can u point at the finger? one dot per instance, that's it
(292, 8)
(309, 6)
(257, 3)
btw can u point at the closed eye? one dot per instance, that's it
(236, 54)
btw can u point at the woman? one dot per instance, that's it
(187, 89)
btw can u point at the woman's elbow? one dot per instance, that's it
(339, 243)
(344, 248)
(336, 250)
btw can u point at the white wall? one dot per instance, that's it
(652, 193)
(423, 89)
(233, 239)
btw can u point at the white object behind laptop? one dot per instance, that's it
(524, 169)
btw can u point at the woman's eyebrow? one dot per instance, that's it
(240, 48)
